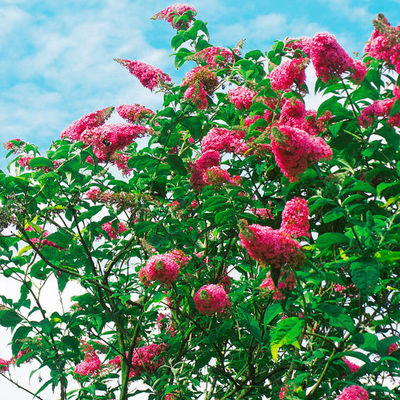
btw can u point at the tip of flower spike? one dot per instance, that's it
(245, 230)
(120, 61)
(108, 111)
(157, 16)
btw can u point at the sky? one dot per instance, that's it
(56, 57)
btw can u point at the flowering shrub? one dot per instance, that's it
(249, 248)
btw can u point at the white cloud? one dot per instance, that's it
(349, 11)
(59, 67)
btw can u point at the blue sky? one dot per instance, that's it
(57, 56)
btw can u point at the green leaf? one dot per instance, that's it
(223, 216)
(20, 333)
(250, 324)
(387, 256)
(9, 318)
(333, 215)
(193, 124)
(287, 331)
(40, 162)
(396, 108)
(329, 239)
(365, 274)
(337, 316)
(271, 312)
(177, 164)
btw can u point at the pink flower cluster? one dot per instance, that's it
(263, 213)
(207, 160)
(90, 365)
(330, 60)
(197, 95)
(291, 72)
(165, 325)
(107, 139)
(380, 108)
(93, 193)
(353, 367)
(88, 121)
(215, 56)
(170, 12)
(113, 233)
(120, 160)
(241, 97)
(203, 75)
(134, 112)
(144, 359)
(384, 43)
(269, 246)
(217, 177)
(13, 144)
(295, 218)
(287, 282)
(3, 365)
(149, 76)
(392, 348)
(210, 299)
(163, 268)
(353, 393)
(23, 161)
(223, 140)
(294, 114)
(43, 241)
(294, 149)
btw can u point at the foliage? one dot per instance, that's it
(70, 215)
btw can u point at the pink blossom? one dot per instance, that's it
(93, 192)
(144, 359)
(148, 75)
(295, 218)
(380, 108)
(384, 43)
(223, 140)
(90, 366)
(330, 60)
(163, 268)
(170, 12)
(263, 213)
(113, 233)
(24, 161)
(134, 113)
(215, 56)
(210, 299)
(217, 177)
(353, 367)
(291, 72)
(12, 144)
(165, 325)
(208, 159)
(202, 75)
(121, 161)
(194, 204)
(353, 393)
(392, 348)
(174, 204)
(241, 97)
(88, 121)
(226, 283)
(269, 246)
(287, 282)
(197, 95)
(358, 71)
(3, 365)
(294, 149)
(107, 139)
